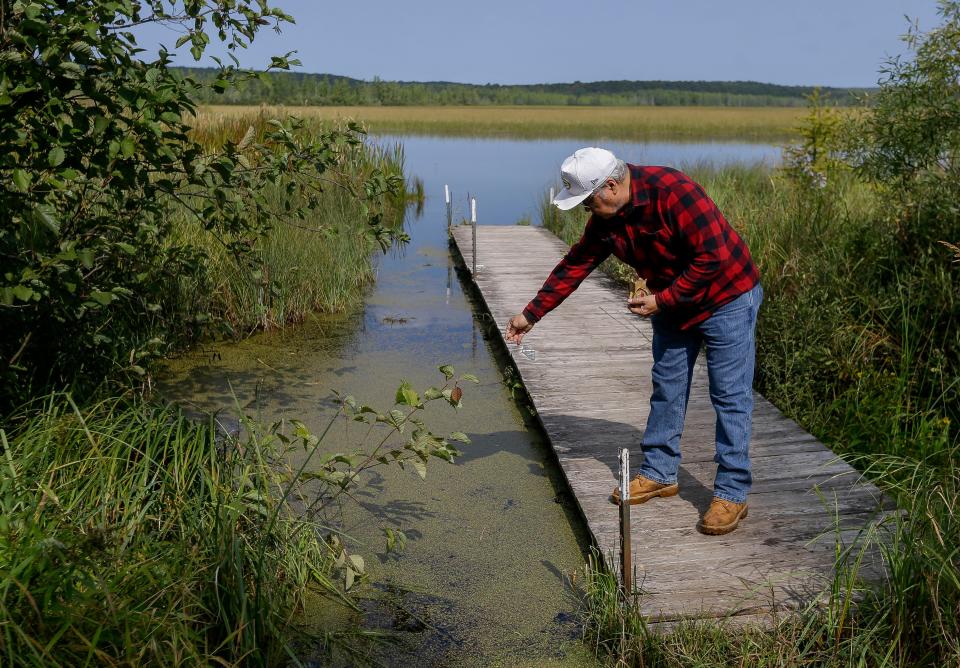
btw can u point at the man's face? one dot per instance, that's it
(603, 202)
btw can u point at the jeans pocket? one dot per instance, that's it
(749, 299)
(742, 303)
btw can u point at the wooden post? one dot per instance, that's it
(626, 558)
(473, 223)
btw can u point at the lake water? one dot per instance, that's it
(508, 176)
(496, 546)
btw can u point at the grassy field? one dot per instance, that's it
(622, 123)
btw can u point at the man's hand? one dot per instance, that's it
(645, 305)
(517, 327)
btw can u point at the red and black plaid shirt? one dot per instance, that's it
(672, 233)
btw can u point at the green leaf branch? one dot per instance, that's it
(325, 480)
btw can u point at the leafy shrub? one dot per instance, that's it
(909, 145)
(97, 163)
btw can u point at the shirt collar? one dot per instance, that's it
(639, 193)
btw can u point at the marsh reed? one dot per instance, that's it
(321, 265)
(134, 536)
(527, 122)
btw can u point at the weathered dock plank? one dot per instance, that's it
(586, 367)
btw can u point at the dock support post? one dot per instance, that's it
(449, 203)
(626, 560)
(473, 223)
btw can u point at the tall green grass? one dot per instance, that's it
(856, 343)
(323, 264)
(130, 535)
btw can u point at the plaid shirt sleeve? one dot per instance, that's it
(582, 258)
(719, 260)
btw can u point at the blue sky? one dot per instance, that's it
(801, 42)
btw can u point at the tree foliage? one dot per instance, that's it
(299, 88)
(910, 143)
(96, 162)
(817, 157)
(900, 300)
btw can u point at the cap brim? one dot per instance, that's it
(565, 200)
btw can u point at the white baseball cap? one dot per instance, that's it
(581, 173)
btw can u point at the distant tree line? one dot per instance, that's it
(294, 88)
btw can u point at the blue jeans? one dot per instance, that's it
(729, 338)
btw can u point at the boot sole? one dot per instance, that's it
(719, 530)
(672, 490)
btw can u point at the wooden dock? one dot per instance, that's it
(586, 366)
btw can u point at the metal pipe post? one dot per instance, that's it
(449, 203)
(626, 558)
(449, 276)
(473, 223)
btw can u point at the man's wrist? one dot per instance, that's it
(529, 315)
(664, 299)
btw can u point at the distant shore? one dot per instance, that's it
(768, 124)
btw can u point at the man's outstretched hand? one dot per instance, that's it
(517, 328)
(643, 305)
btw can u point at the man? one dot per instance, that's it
(705, 291)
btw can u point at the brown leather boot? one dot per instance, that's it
(722, 517)
(643, 489)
